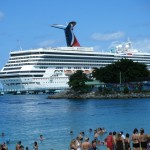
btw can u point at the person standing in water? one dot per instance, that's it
(86, 144)
(35, 146)
(127, 142)
(135, 139)
(109, 141)
(143, 139)
(119, 142)
(18, 145)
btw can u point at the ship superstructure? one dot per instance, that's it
(46, 69)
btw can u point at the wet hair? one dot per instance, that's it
(141, 130)
(114, 133)
(110, 133)
(35, 143)
(94, 141)
(90, 130)
(127, 135)
(21, 147)
(121, 132)
(135, 130)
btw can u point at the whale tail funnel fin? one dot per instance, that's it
(70, 37)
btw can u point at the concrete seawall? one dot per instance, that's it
(94, 95)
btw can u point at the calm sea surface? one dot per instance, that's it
(25, 117)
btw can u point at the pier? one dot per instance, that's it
(50, 91)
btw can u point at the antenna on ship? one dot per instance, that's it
(20, 48)
(129, 43)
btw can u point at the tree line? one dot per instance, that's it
(122, 71)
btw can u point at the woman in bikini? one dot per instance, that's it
(135, 140)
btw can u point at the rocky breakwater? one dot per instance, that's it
(96, 95)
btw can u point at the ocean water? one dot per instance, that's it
(25, 117)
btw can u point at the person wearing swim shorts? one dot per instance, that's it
(143, 139)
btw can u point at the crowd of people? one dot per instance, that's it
(82, 142)
(113, 141)
(138, 140)
(19, 146)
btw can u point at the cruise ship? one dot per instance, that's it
(47, 69)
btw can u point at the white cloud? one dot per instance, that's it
(46, 43)
(1, 15)
(142, 45)
(108, 36)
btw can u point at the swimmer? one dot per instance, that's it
(35, 146)
(80, 136)
(21, 147)
(104, 130)
(41, 138)
(71, 132)
(98, 142)
(18, 145)
(8, 141)
(90, 130)
(3, 134)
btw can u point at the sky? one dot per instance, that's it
(25, 24)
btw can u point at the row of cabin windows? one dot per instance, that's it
(77, 57)
(90, 64)
(62, 58)
(55, 53)
(44, 68)
(69, 61)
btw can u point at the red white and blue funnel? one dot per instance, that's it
(70, 37)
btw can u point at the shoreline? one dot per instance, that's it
(94, 95)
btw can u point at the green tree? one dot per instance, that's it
(77, 82)
(125, 70)
(126, 90)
